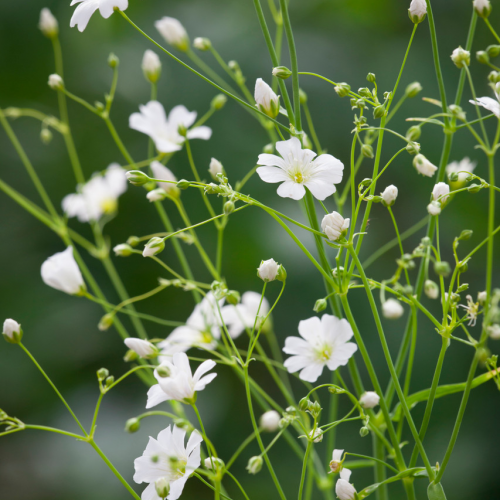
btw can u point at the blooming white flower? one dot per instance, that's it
(268, 270)
(334, 225)
(440, 192)
(424, 166)
(298, 168)
(344, 489)
(389, 195)
(173, 32)
(84, 11)
(270, 420)
(494, 332)
(202, 329)
(369, 399)
(323, 342)
(336, 461)
(143, 348)
(99, 196)
(472, 309)
(463, 168)
(215, 168)
(48, 23)
(167, 457)
(434, 208)
(165, 174)
(240, 316)
(488, 103)
(55, 82)
(62, 273)
(392, 309)
(164, 132)
(267, 101)
(483, 7)
(13, 333)
(417, 11)
(180, 385)
(151, 66)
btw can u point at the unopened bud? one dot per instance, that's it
(431, 289)
(254, 465)
(371, 77)
(102, 374)
(379, 111)
(320, 305)
(413, 89)
(137, 177)
(461, 57)
(12, 331)
(367, 151)
(482, 57)
(56, 82)
(281, 276)
(162, 487)
(442, 268)
(106, 322)
(123, 250)
(342, 89)
(46, 135)
(228, 207)
(233, 297)
(414, 133)
(201, 43)
(153, 247)
(113, 61)
(218, 102)
(282, 72)
(493, 50)
(364, 431)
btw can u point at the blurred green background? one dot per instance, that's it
(341, 39)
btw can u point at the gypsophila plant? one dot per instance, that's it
(234, 328)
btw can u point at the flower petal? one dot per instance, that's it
(272, 174)
(271, 161)
(319, 189)
(156, 396)
(311, 372)
(205, 367)
(83, 13)
(290, 189)
(310, 328)
(296, 363)
(202, 132)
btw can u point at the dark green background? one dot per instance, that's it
(341, 39)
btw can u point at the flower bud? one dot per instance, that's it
(269, 421)
(215, 168)
(483, 8)
(132, 425)
(267, 101)
(460, 57)
(158, 194)
(233, 297)
(371, 78)
(46, 135)
(137, 177)
(367, 151)
(130, 356)
(462, 288)
(123, 250)
(151, 66)
(413, 89)
(282, 275)
(268, 270)
(162, 487)
(201, 43)
(317, 436)
(334, 226)
(474, 188)
(153, 247)
(431, 289)
(228, 207)
(379, 111)
(302, 97)
(493, 50)
(163, 371)
(143, 348)
(215, 461)
(442, 268)
(183, 184)
(113, 61)
(133, 241)
(369, 399)
(12, 331)
(173, 32)
(434, 208)
(304, 403)
(320, 305)
(482, 57)
(254, 465)
(414, 133)
(364, 431)
(424, 166)
(218, 102)
(102, 374)
(389, 195)
(413, 148)
(342, 89)
(109, 381)
(417, 11)
(48, 24)
(282, 72)
(392, 309)
(56, 82)
(494, 332)
(106, 322)
(441, 192)
(482, 297)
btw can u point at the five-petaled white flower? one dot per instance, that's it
(298, 168)
(62, 273)
(84, 11)
(323, 342)
(168, 458)
(98, 196)
(344, 489)
(202, 329)
(462, 168)
(164, 131)
(179, 384)
(173, 32)
(369, 399)
(243, 315)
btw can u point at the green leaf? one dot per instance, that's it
(435, 492)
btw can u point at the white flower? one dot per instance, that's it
(151, 66)
(167, 457)
(334, 225)
(336, 461)
(180, 385)
(240, 316)
(344, 489)
(434, 208)
(270, 421)
(55, 82)
(389, 195)
(173, 32)
(482, 297)
(460, 57)
(323, 342)
(462, 168)
(424, 166)
(267, 101)
(164, 132)
(297, 169)
(13, 332)
(316, 436)
(165, 174)
(488, 103)
(156, 195)
(62, 273)
(84, 11)
(268, 270)
(215, 168)
(369, 399)
(98, 196)
(48, 23)
(392, 309)
(143, 348)
(202, 329)
(153, 247)
(417, 10)
(440, 192)
(494, 332)
(483, 7)
(472, 309)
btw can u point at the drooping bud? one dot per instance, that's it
(334, 226)
(218, 102)
(369, 399)
(434, 208)
(424, 166)
(143, 348)
(282, 275)
(132, 425)
(413, 89)
(367, 151)
(228, 207)
(215, 168)
(162, 487)
(342, 89)
(441, 192)
(392, 309)
(153, 247)
(123, 250)
(482, 57)
(106, 322)
(320, 305)
(269, 421)
(413, 148)
(414, 133)
(442, 268)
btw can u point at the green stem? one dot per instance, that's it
(304, 468)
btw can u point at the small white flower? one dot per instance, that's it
(167, 457)
(494, 332)
(270, 421)
(392, 309)
(202, 329)
(431, 289)
(55, 82)
(482, 297)
(143, 348)
(460, 57)
(267, 101)
(483, 7)
(48, 23)
(336, 461)
(164, 132)
(173, 32)
(417, 10)
(316, 436)
(334, 225)
(13, 332)
(472, 309)
(434, 208)
(151, 66)
(324, 343)
(298, 168)
(369, 399)
(165, 174)
(488, 103)
(344, 489)
(153, 247)
(99, 196)
(463, 168)
(181, 385)
(62, 273)
(389, 195)
(84, 11)
(240, 316)
(268, 270)
(215, 168)
(440, 192)
(424, 166)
